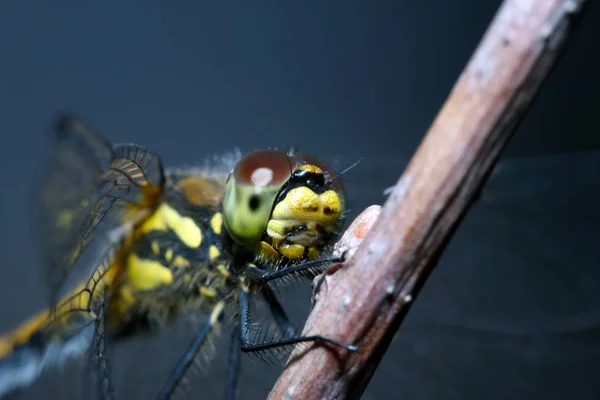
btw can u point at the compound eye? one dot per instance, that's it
(251, 192)
(263, 168)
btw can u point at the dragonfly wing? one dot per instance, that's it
(89, 186)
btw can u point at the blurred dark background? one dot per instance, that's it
(513, 309)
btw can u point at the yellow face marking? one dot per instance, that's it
(267, 252)
(213, 252)
(180, 262)
(216, 313)
(305, 209)
(277, 228)
(208, 292)
(292, 251)
(216, 223)
(147, 274)
(166, 217)
(155, 247)
(303, 204)
(331, 204)
(223, 270)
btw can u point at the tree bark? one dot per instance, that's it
(365, 301)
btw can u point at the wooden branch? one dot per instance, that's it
(365, 301)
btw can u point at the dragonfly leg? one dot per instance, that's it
(234, 364)
(262, 276)
(248, 346)
(189, 355)
(281, 319)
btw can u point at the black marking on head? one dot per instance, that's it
(328, 211)
(311, 209)
(295, 230)
(311, 179)
(303, 178)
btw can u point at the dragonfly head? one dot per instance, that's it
(283, 205)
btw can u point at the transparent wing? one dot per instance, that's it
(89, 186)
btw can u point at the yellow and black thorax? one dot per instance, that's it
(129, 245)
(192, 248)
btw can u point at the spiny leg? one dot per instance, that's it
(188, 356)
(284, 325)
(234, 364)
(248, 346)
(281, 319)
(262, 276)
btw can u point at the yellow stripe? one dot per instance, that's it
(166, 217)
(223, 270)
(147, 274)
(208, 292)
(216, 223)
(76, 299)
(21, 334)
(169, 255)
(179, 261)
(213, 252)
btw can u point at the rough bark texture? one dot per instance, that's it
(365, 301)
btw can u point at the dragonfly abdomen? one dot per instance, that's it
(30, 349)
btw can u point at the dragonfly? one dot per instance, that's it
(130, 246)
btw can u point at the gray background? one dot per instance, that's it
(513, 308)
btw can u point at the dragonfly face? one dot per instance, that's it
(181, 242)
(285, 206)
